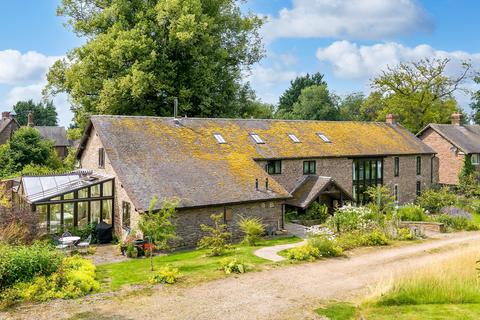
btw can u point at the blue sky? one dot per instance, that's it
(348, 41)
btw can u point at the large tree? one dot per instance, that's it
(419, 92)
(44, 114)
(140, 54)
(350, 107)
(291, 95)
(475, 105)
(315, 103)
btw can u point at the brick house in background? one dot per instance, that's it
(452, 142)
(243, 167)
(8, 125)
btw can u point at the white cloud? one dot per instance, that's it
(17, 67)
(269, 76)
(359, 19)
(352, 61)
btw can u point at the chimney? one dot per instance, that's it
(457, 119)
(175, 107)
(390, 119)
(5, 115)
(30, 120)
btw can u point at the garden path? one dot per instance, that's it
(290, 292)
(271, 253)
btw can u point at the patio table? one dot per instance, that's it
(69, 240)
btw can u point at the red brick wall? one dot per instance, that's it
(450, 161)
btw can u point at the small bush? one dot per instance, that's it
(216, 237)
(167, 275)
(303, 253)
(253, 230)
(453, 223)
(411, 212)
(326, 246)
(456, 212)
(405, 234)
(23, 263)
(317, 211)
(349, 218)
(233, 265)
(434, 200)
(374, 238)
(349, 240)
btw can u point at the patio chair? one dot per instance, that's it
(85, 244)
(59, 245)
(66, 234)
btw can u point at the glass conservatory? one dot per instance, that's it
(67, 201)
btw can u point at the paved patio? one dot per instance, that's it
(106, 253)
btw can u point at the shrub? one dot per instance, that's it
(216, 239)
(412, 212)
(374, 238)
(253, 230)
(349, 218)
(18, 225)
(405, 234)
(89, 229)
(349, 240)
(233, 265)
(456, 212)
(453, 223)
(166, 275)
(434, 200)
(23, 263)
(381, 198)
(303, 253)
(326, 246)
(317, 211)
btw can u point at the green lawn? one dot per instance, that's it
(345, 311)
(194, 265)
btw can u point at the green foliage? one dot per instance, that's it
(404, 234)
(303, 253)
(435, 200)
(381, 198)
(354, 239)
(234, 265)
(418, 93)
(74, 278)
(349, 218)
(475, 104)
(166, 275)
(454, 222)
(253, 230)
(157, 225)
(349, 107)
(141, 54)
(74, 133)
(292, 94)
(412, 212)
(44, 114)
(27, 147)
(374, 238)
(317, 211)
(216, 236)
(88, 230)
(326, 246)
(314, 103)
(469, 184)
(337, 311)
(23, 263)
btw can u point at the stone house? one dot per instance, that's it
(452, 142)
(252, 167)
(8, 125)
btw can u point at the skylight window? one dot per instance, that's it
(323, 137)
(219, 138)
(256, 138)
(293, 138)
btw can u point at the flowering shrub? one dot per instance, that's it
(303, 253)
(374, 238)
(326, 245)
(233, 265)
(166, 275)
(405, 234)
(456, 212)
(320, 231)
(350, 218)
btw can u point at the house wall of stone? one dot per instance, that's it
(89, 160)
(8, 132)
(450, 159)
(340, 169)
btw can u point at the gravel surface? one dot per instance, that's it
(291, 292)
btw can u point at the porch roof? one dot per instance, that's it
(310, 188)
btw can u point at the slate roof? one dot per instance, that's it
(180, 157)
(57, 134)
(464, 137)
(309, 188)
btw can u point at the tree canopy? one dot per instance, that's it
(418, 93)
(475, 105)
(141, 54)
(44, 114)
(292, 94)
(315, 103)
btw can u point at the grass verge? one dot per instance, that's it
(194, 265)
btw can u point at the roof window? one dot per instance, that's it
(323, 137)
(256, 138)
(220, 139)
(293, 138)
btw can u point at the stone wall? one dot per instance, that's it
(8, 132)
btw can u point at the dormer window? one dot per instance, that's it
(293, 138)
(323, 137)
(256, 138)
(220, 139)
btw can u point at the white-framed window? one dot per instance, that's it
(294, 138)
(323, 137)
(220, 139)
(475, 159)
(256, 138)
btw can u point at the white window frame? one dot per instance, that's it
(220, 139)
(475, 159)
(324, 137)
(257, 138)
(293, 137)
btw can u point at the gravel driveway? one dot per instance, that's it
(281, 293)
